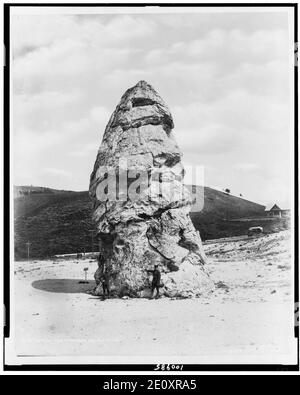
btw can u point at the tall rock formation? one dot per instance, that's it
(141, 206)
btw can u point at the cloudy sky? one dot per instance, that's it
(225, 77)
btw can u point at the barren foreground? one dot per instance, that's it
(248, 319)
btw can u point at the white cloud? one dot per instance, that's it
(56, 172)
(247, 166)
(100, 114)
(32, 32)
(85, 150)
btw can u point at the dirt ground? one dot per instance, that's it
(248, 319)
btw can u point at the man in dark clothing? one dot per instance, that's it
(100, 269)
(100, 260)
(104, 279)
(101, 276)
(155, 282)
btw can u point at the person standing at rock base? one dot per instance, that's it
(101, 277)
(99, 271)
(155, 282)
(104, 279)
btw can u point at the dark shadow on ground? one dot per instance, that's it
(63, 285)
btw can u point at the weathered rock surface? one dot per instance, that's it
(141, 206)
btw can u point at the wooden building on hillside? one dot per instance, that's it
(277, 212)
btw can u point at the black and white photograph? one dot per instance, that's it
(152, 203)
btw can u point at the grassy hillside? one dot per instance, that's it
(53, 223)
(59, 222)
(213, 218)
(223, 205)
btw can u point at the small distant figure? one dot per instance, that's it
(100, 260)
(99, 271)
(104, 279)
(101, 276)
(155, 282)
